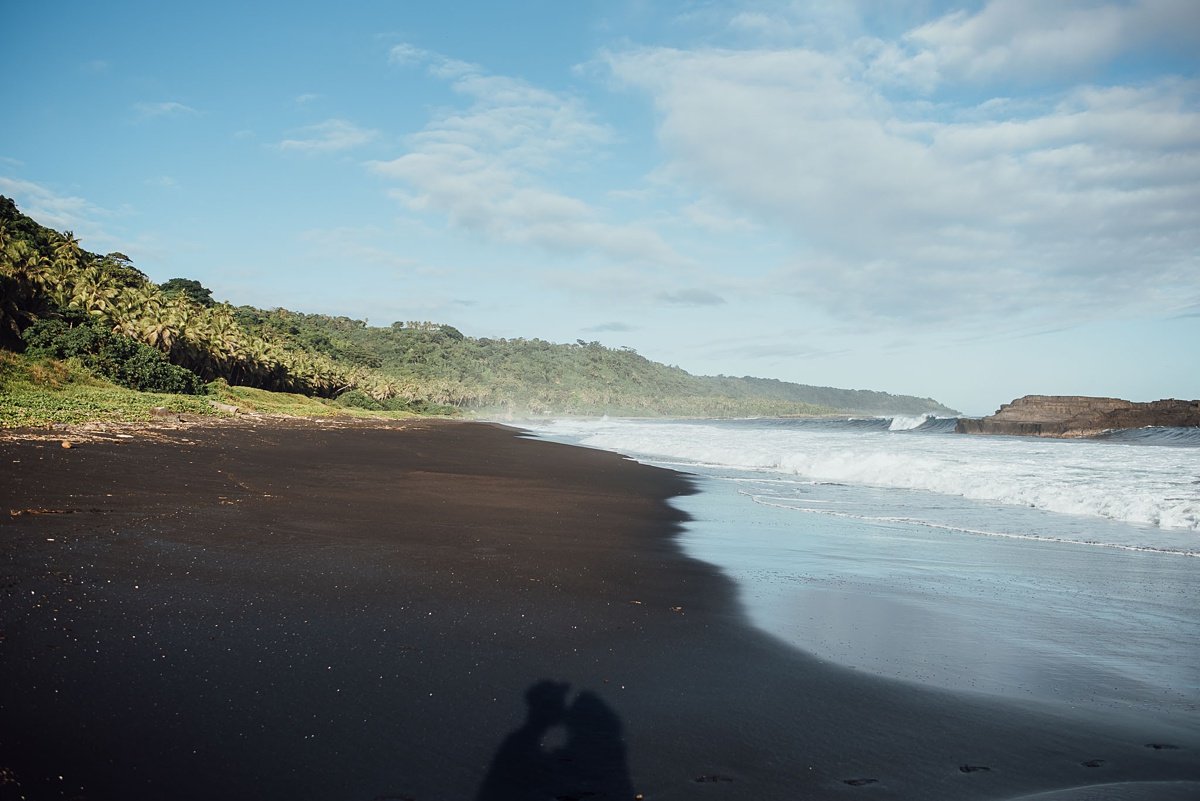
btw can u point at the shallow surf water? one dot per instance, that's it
(1059, 571)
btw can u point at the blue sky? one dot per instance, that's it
(969, 201)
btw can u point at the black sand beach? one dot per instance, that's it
(436, 610)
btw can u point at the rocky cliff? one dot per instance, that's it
(1078, 416)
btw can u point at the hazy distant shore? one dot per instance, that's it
(361, 610)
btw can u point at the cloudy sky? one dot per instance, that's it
(969, 201)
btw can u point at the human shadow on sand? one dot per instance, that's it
(590, 764)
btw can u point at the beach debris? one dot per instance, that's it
(711, 778)
(224, 407)
(860, 782)
(66, 443)
(639, 603)
(972, 768)
(1092, 763)
(39, 511)
(677, 609)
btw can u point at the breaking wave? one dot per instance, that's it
(1115, 478)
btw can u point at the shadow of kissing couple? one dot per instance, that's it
(590, 764)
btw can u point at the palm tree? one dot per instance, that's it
(181, 314)
(23, 269)
(126, 317)
(92, 293)
(67, 252)
(384, 389)
(13, 316)
(224, 338)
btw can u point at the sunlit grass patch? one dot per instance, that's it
(42, 392)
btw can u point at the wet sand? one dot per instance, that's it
(1101, 629)
(438, 610)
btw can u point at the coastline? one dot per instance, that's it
(358, 610)
(1097, 628)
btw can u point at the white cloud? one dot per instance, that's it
(60, 212)
(711, 216)
(405, 54)
(344, 247)
(490, 163)
(329, 136)
(829, 22)
(163, 182)
(169, 108)
(690, 297)
(787, 346)
(612, 328)
(1089, 200)
(761, 24)
(439, 66)
(1033, 39)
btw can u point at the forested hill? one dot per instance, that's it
(60, 301)
(539, 377)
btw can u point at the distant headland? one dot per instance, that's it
(1070, 416)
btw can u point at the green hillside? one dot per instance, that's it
(539, 377)
(58, 301)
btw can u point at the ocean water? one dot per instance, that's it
(1060, 571)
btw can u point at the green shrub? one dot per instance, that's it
(118, 358)
(357, 399)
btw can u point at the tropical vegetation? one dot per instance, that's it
(60, 302)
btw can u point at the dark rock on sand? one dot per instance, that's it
(1079, 416)
(711, 778)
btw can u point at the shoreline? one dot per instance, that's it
(1103, 630)
(359, 610)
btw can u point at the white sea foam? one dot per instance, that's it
(817, 507)
(1119, 481)
(908, 423)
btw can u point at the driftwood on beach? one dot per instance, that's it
(1080, 416)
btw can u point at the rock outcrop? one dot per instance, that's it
(1078, 416)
